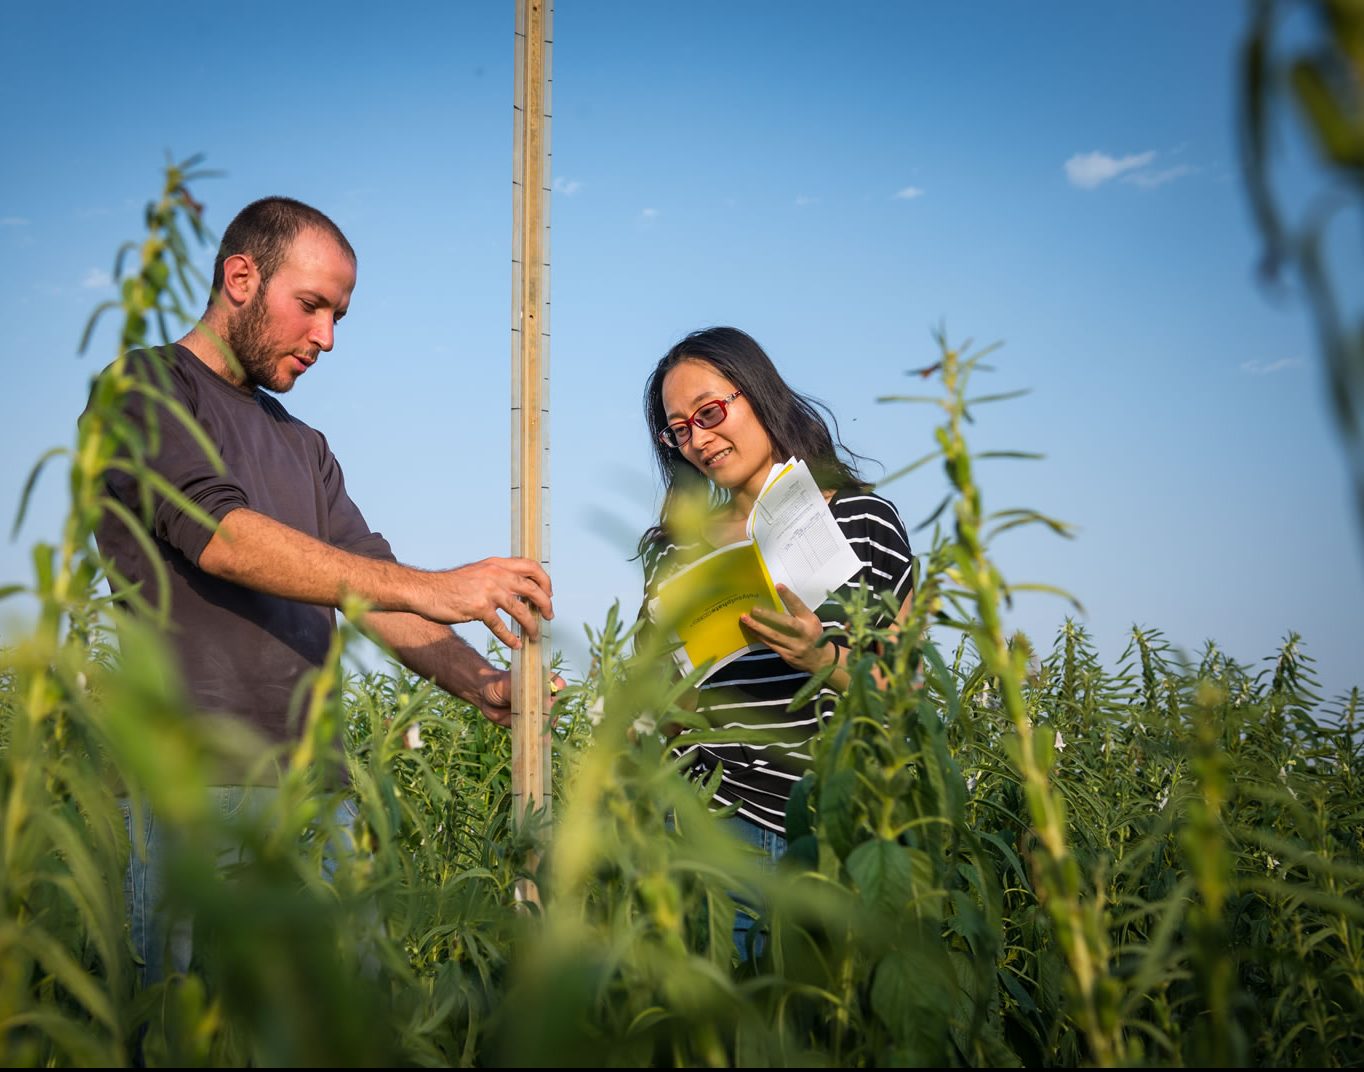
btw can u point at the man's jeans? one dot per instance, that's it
(163, 944)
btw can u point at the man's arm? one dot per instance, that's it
(440, 655)
(262, 554)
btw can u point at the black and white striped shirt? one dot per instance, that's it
(754, 691)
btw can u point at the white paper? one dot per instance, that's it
(800, 541)
(772, 474)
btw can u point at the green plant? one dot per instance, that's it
(1001, 855)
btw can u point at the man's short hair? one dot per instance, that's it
(265, 230)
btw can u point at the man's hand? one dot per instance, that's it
(262, 554)
(494, 698)
(475, 593)
(793, 636)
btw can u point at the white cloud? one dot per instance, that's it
(1151, 179)
(13, 221)
(1088, 170)
(648, 215)
(907, 194)
(97, 278)
(567, 187)
(1265, 368)
(805, 199)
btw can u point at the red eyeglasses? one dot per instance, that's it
(707, 416)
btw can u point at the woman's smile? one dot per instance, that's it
(736, 453)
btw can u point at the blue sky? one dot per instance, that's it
(838, 180)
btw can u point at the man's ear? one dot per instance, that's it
(240, 278)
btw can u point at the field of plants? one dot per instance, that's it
(1004, 856)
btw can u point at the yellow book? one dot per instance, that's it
(701, 604)
(793, 540)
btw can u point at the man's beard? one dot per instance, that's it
(246, 337)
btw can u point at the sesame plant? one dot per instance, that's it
(1002, 854)
(1302, 80)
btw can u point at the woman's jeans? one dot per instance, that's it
(773, 847)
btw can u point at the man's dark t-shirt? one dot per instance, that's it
(241, 652)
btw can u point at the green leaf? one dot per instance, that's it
(71, 1035)
(906, 470)
(61, 966)
(100, 310)
(1014, 518)
(153, 480)
(1012, 985)
(969, 921)
(933, 399)
(44, 566)
(86, 885)
(802, 852)
(937, 511)
(973, 362)
(1010, 856)
(838, 810)
(946, 778)
(807, 691)
(1338, 138)
(1344, 906)
(30, 483)
(913, 992)
(647, 1019)
(1025, 455)
(1001, 397)
(798, 808)
(150, 554)
(720, 912)
(884, 874)
(1049, 589)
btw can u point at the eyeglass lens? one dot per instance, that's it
(709, 415)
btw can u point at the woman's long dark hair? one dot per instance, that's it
(792, 421)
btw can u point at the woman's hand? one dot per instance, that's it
(795, 635)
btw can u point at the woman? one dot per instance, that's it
(720, 416)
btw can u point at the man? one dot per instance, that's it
(252, 602)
